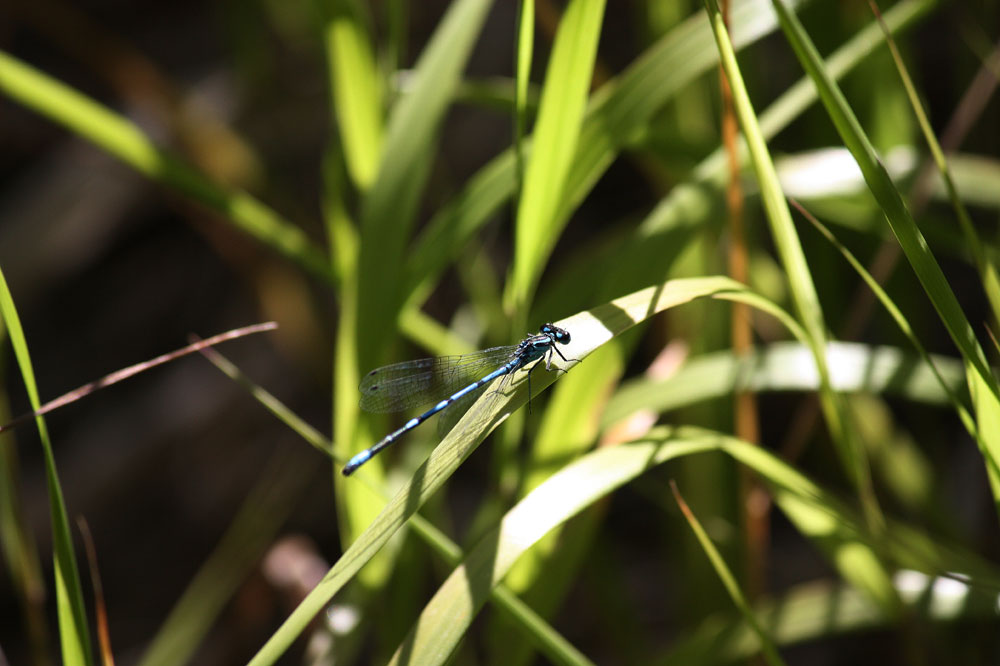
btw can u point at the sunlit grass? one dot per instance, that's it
(624, 285)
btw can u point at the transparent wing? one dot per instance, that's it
(409, 384)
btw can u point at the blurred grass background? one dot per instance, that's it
(352, 171)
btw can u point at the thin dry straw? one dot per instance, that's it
(125, 373)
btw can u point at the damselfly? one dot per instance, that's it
(413, 383)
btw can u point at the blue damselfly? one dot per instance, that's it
(400, 386)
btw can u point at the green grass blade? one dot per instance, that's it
(562, 436)
(355, 88)
(123, 139)
(554, 142)
(540, 633)
(910, 238)
(767, 648)
(802, 288)
(355, 505)
(522, 69)
(73, 632)
(19, 546)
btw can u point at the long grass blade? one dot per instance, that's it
(73, 631)
(355, 87)
(522, 77)
(554, 142)
(767, 648)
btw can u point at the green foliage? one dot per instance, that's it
(616, 283)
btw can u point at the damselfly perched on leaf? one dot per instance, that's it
(400, 386)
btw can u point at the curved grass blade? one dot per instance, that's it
(569, 427)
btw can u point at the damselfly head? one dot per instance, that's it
(560, 335)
